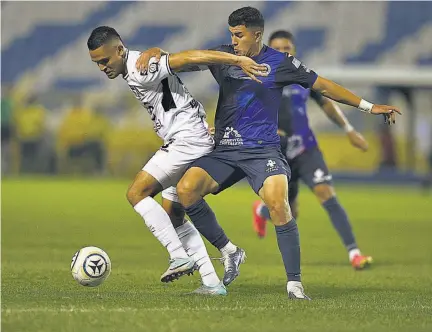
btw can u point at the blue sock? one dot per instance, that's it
(264, 212)
(340, 222)
(289, 246)
(205, 222)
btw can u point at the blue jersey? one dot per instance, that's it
(247, 111)
(293, 119)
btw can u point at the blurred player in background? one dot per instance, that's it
(299, 145)
(247, 144)
(180, 121)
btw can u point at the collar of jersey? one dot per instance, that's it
(125, 76)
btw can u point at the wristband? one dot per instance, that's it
(365, 106)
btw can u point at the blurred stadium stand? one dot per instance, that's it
(382, 50)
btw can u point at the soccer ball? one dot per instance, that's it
(90, 266)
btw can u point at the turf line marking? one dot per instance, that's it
(162, 309)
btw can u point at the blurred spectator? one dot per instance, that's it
(6, 128)
(82, 138)
(29, 120)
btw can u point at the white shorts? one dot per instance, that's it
(171, 161)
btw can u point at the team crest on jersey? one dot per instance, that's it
(271, 166)
(153, 68)
(268, 71)
(231, 137)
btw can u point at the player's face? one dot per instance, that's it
(110, 59)
(245, 41)
(283, 45)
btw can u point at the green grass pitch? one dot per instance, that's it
(44, 221)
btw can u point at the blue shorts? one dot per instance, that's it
(228, 166)
(309, 167)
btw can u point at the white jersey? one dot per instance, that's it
(173, 110)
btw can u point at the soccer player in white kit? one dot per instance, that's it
(180, 121)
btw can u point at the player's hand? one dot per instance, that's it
(357, 140)
(280, 132)
(212, 130)
(143, 60)
(389, 112)
(251, 68)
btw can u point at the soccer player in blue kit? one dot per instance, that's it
(299, 145)
(247, 143)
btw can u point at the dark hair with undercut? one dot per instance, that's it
(100, 36)
(247, 16)
(281, 34)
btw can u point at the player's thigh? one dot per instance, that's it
(262, 165)
(315, 174)
(210, 174)
(172, 160)
(172, 206)
(144, 185)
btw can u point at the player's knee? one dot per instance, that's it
(324, 192)
(136, 194)
(187, 191)
(279, 211)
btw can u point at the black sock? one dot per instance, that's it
(340, 222)
(289, 246)
(205, 222)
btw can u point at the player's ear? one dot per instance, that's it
(258, 35)
(121, 50)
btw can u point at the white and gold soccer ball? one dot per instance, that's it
(90, 266)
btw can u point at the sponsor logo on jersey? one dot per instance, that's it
(231, 137)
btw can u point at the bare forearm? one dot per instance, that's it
(334, 113)
(200, 57)
(336, 92)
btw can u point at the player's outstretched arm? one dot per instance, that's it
(177, 61)
(338, 93)
(335, 114)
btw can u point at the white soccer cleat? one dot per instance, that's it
(296, 292)
(179, 267)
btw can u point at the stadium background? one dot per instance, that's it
(66, 117)
(73, 140)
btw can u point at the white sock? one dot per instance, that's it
(159, 223)
(195, 248)
(353, 252)
(228, 249)
(293, 284)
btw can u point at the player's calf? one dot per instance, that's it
(339, 218)
(158, 222)
(195, 184)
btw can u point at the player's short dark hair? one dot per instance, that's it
(281, 34)
(100, 36)
(247, 16)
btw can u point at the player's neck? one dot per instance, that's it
(255, 52)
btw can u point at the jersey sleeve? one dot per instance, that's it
(156, 71)
(317, 97)
(292, 71)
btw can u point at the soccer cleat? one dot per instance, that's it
(360, 262)
(179, 267)
(259, 223)
(232, 263)
(297, 293)
(215, 290)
